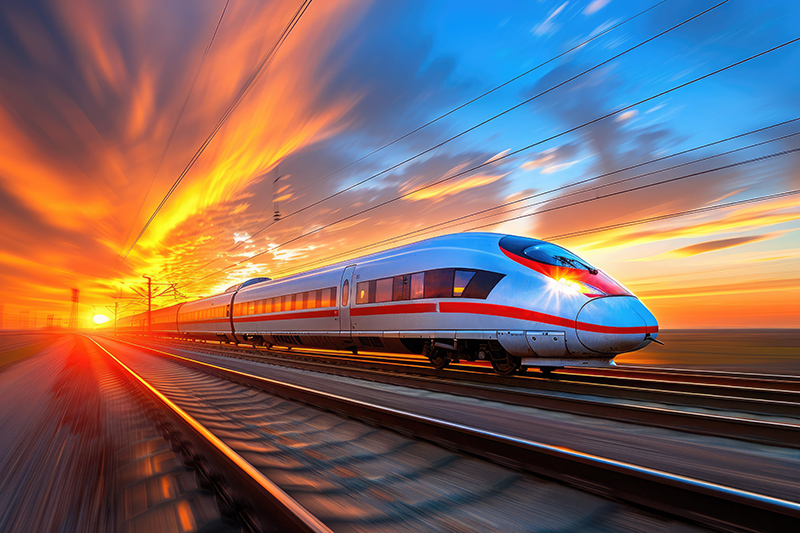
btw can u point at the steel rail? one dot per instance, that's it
(271, 505)
(734, 427)
(660, 391)
(723, 507)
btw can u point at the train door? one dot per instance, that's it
(345, 300)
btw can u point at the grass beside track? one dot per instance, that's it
(13, 355)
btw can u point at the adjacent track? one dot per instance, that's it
(273, 509)
(707, 503)
(735, 416)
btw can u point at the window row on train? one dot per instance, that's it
(204, 314)
(289, 302)
(439, 283)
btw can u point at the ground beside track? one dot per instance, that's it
(765, 469)
(78, 454)
(15, 348)
(764, 351)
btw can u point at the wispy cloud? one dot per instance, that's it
(595, 6)
(548, 26)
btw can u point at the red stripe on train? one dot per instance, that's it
(327, 313)
(394, 309)
(535, 316)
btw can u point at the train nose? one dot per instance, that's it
(615, 324)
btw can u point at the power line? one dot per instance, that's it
(573, 204)
(667, 216)
(485, 94)
(451, 221)
(625, 180)
(509, 154)
(450, 112)
(594, 199)
(647, 186)
(266, 60)
(174, 128)
(498, 115)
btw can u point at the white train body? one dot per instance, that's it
(510, 300)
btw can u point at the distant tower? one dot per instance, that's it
(73, 312)
(49, 323)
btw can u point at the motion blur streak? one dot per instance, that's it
(86, 108)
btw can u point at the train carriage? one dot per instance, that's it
(513, 301)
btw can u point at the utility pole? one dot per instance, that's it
(149, 304)
(73, 312)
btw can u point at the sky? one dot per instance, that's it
(107, 106)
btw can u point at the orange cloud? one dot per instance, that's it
(719, 244)
(449, 188)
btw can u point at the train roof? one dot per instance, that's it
(468, 239)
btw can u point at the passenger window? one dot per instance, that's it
(325, 298)
(401, 289)
(345, 293)
(439, 283)
(252, 307)
(362, 292)
(482, 284)
(417, 285)
(318, 298)
(383, 290)
(462, 278)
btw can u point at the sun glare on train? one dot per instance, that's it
(100, 319)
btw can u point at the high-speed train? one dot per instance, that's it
(514, 301)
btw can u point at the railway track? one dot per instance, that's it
(766, 421)
(709, 504)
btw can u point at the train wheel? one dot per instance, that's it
(438, 359)
(507, 365)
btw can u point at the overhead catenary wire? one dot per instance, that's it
(485, 94)
(174, 128)
(688, 212)
(647, 186)
(573, 204)
(594, 199)
(509, 154)
(450, 112)
(600, 229)
(494, 117)
(456, 221)
(639, 176)
(265, 61)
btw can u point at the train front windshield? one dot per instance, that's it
(551, 254)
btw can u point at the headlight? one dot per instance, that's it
(581, 287)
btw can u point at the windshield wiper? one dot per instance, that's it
(575, 264)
